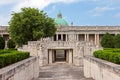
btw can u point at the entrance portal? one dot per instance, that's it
(60, 55)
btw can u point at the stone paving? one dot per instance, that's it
(61, 71)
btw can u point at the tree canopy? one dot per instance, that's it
(117, 41)
(107, 41)
(2, 43)
(10, 44)
(30, 24)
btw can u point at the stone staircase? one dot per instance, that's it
(61, 71)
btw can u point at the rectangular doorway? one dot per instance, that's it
(60, 55)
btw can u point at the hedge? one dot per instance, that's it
(112, 55)
(8, 57)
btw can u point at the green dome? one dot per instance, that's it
(60, 21)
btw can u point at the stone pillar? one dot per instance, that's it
(87, 37)
(77, 37)
(6, 44)
(53, 56)
(50, 56)
(98, 40)
(61, 37)
(70, 56)
(56, 37)
(66, 37)
(67, 55)
(95, 39)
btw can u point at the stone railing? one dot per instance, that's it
(27, 69)
(64, 44)
(100, 70)
(89, 28)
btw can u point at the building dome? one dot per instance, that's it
(60, 21)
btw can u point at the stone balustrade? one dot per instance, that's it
(27, 69)
(100, 69)
(98, 28)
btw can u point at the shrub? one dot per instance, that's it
(112, 55)
(8, 57)
(2, 43)
(11, 44)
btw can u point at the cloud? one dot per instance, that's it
(102, 9)
(41, 4)
(97, 11)
(4, 2)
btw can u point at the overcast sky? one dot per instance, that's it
(80, 12)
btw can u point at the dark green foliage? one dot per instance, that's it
(2, 43)
(11, 44)
(8, 57)
(117, 41)
(30, 24)
(112, 55)
(107, 41)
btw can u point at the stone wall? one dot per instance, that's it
(40, 48)
(100, 70)
(27, 69)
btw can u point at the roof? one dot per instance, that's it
(60, 21)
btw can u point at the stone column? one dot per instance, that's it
(66, 37)
(98, 40)
(56, 37)
(70, 56)
(61, 37)
(50, 56)
(85, 38)
(67, 55)
(77, 37)
(53, 56)
(95, 39)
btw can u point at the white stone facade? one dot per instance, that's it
(76, 41)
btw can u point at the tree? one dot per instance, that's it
(2, 43)
(30, 24)
(11, 44)
(107, 41)
(117, 41)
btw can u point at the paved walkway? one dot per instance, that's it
(61, 71)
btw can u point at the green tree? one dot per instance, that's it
(117, 41)
(107, 41)
(2, 43)
(30, 24)
(11, 44)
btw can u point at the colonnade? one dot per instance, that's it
(96, 37)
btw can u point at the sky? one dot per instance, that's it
(80, 12)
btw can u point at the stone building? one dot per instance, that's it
(70, 43)
(4, 34)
